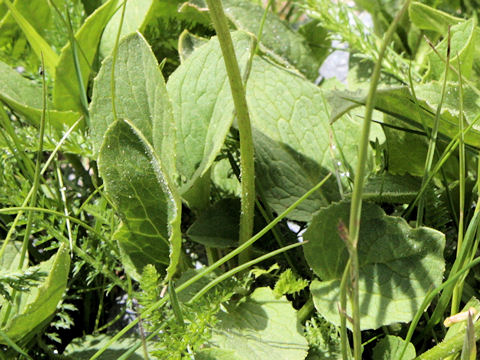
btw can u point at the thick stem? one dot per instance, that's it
(243, 119)
(356, 205)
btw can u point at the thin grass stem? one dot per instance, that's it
(356, 204)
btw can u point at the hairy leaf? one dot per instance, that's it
(149, 207)
(141, 97)
(261, 327)
(398, 265)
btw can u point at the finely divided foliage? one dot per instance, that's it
(123, 227)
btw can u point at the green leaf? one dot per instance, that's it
(66, 91)
(390, 348)
(261, 327)
(462, 48)
(289, 284)
(216, 354)
(141, 97)
(202, 106)
(217, 226)
(292, 135)
(399, 189)
(84, 348)
(37, 42)
(147, 203)
(25, 97)
(398, 265)
(278, 39)
(455, 337)
(136, 15)
(188, 43)
(40, 302)
(399, 103)
(293, 139)
(284, 175)
(427, 18)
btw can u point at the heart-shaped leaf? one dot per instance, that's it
(398, 264)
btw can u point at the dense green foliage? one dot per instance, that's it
(126, 137)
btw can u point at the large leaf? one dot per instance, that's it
(399, 103)
(202, 106)
(25, 97)
(66, 91)
(292, 135)
(294, 141)
(136, 13)
(284, 175)
(141, 97)
(261, 327)
(40, 302)
(398, 264)
(149, 207)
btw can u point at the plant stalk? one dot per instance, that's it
(247, 168)
(457, 292)
(356, 205)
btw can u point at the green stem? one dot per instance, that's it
(303, 314)
(243, 119)
(356, 205)
(457, 292)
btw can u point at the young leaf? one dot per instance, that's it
(147, 202)
(141, 97)
(262, 327)
(66, 92)
(41, 301)
(398, 265)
